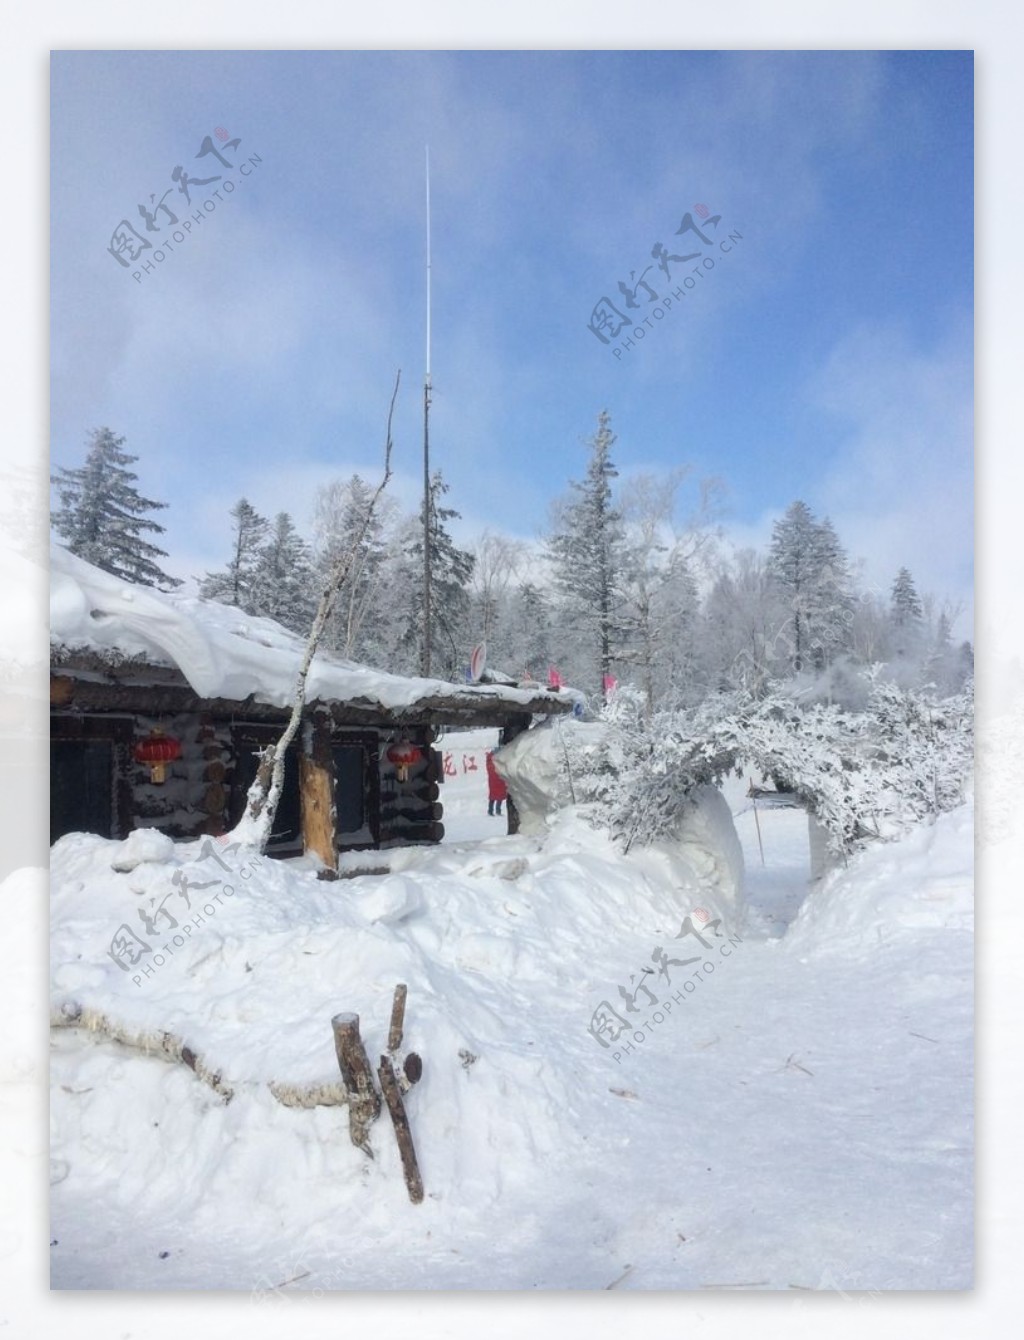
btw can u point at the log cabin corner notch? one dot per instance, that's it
(128, 662)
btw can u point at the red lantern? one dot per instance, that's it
(156, 751)
(403, 755)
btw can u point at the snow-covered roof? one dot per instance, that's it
(224, 653)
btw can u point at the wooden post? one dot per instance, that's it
(400, 1121)
(354, 1064)
(757, 821)
(316, 786)
(397, 1017)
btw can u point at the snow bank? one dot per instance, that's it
(711, 846)
(504, 951)
(754, 1089)
(925, 882)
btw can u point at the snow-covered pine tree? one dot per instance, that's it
(586, 549)
(102, 515)
(530, 631)
(451, 569)
(809, 568)
(676, 673)
(234, 585)
(284, 585)
(833, 612)
(792, 564)
(906, 615)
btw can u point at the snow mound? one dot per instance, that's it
(711, 846)
(144, 844)
(536, 768)
(704, 854)
(388, 900)
(924, 882)
(233, 965)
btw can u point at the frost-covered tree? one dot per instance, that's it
(103, 517)
(659, 592)
(810, 570)
(745, 628)
(257, 822)
(676, 674)
(530, 631)
(283, 586)
(865, 775)
(451, 569)
(360, 621)
(497, 560)
(906, 615)
(586, 550)
(906, 604)
(234, 584)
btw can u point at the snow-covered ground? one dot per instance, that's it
(792, 1112)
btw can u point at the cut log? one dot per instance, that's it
(397, 1018)
(400, 1121)
(316, 785)
(354, 1064)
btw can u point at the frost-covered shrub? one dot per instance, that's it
(864, 775)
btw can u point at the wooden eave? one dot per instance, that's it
(86, 681)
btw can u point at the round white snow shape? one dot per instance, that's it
(388, 899)
(145, 844)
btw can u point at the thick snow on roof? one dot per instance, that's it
(223, 652)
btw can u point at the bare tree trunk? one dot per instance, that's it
(254, 827)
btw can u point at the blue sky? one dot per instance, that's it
(828, 356)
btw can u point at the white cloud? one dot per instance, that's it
(900, 490)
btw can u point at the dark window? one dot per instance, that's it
(81, 787)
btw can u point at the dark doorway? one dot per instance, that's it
(356, 792)
(81, 787)
(286, 834)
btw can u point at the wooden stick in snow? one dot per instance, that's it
(757, 821)
(354, 1064)
(397, 1018)
(400, 1121)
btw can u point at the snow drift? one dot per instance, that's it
(703, 847)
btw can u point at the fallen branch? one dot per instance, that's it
(159, 1043)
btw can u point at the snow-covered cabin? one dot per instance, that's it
(131, 666)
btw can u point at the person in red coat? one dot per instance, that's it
(497, 791)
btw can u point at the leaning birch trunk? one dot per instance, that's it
(257, 821)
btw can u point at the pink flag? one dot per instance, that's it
(554, 678)
(610, 685)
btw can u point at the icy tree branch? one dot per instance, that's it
(256, 823)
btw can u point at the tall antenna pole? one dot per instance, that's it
(425, 657)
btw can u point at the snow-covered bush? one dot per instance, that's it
(863, 775)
